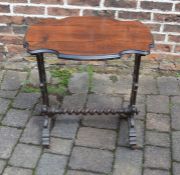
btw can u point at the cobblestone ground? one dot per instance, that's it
(90, 145)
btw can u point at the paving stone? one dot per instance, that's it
(73, 172)
(26, 100)
(159, 122)
(13, 80)
(157, 138)
(16, 118)
(79, 83)
(25, 156)
(101, 121)
(141, 98)
(140, 132)
(141, 114)
(147, 85)
(123, 85)
(175, 119)
(17, 171)
(51, 164)
(33, 130)
(34, 77)
(101, 83)
(175, 100)
(8, 139)
(4, 104)
(158, 104)
(156, 157)
(155, 172)
(127, 161)
(97, 138)
(168, 85)
(66, 126)
(22, 66)
(96, 101)
(176, 145)
(176, 168)
(7, 94)
(74, 101)
(60, 146)
(95, 160)
(1, 74)
(123, 139)
(2, 165)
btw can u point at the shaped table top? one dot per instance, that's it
(88, 38)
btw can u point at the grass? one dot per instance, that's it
(30, 89)
(178, 75)
(113, 78)
(57, 90)
(61, 74)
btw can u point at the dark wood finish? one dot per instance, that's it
(89, 36)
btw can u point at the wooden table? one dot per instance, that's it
(88, 38)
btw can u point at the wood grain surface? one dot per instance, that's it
(88, 36)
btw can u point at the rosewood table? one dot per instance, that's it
(88, 38)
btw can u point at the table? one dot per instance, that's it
(88, 38)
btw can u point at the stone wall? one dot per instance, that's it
(161, 16)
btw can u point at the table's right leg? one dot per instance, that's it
(45, 100)
(132, 129)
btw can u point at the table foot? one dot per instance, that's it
(132, 138)
(132, 132)
(48, 124)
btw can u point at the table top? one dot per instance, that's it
(88, 38)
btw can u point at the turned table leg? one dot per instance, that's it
(45, 100)
(132, 129)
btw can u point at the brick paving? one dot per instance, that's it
(91, 145)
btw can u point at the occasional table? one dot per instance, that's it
(88, 38)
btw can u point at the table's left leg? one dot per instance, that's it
(132, 130)
(45, 100)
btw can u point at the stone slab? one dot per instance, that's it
(158, 104)
(4, 104)
(51, 164)
(176, 168)
(32, 132)
(155, 172)
(88, 159)
(168, 85)
(65, 126)
(13, 80)
(60, 146)
(127, 161)
(157, 157)
(101, 121)
(16, 118)
(17, 171)
(176, 145)
(96, 138)
(158, 122)
(157, 139)
(74, 101)
(25, 156)
(96, 101)
(26, 100)
(79, 83)
(8, 139)
(2, 165)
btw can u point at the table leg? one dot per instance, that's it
(132, 130)
(45, 100)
